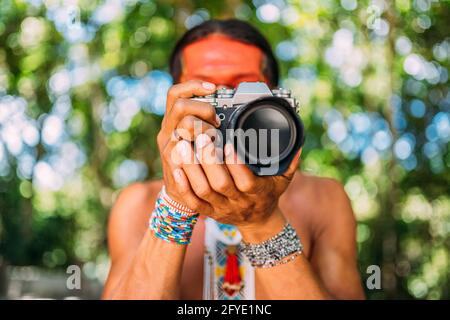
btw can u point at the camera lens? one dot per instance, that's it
(270, 131)
(266, 120)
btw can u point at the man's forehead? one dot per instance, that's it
(221, 52)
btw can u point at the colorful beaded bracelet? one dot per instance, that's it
(171, 221)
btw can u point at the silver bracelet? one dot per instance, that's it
(280, 249)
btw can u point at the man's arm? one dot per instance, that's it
(153, 270)
(141, 267)
(332, 271)
(239, 197)
(335, 251)
(293, 280)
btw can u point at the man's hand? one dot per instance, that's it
(178, 123)
(234, 194)
(197, 177)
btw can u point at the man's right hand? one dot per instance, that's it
(184, 119)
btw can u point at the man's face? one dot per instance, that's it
(222, 61)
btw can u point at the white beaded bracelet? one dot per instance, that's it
(174, 204)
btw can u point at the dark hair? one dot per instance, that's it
(235, 29)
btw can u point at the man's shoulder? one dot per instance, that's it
(142, 190)
(320, 202)
(139, 193)
(316, 185)
(129, 216)
(320, 192)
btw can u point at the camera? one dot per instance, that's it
(263, 125)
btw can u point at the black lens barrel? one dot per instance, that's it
(278, 131)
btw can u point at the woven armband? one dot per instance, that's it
(172, 221)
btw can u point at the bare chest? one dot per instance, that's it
(193, 268)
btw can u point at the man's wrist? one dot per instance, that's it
(263, 230)
(171, 221)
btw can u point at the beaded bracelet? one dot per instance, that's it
(280, 249)
(171, 221)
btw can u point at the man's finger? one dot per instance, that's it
(187, 90)
(216, 172)
(174, 181)
(197, 178)
(289, 174)
(186, 107)
(191, 127)
(187, 195)
(243, 177)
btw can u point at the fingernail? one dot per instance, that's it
(177, 175)
(218, 120)
(228, 149)
(182, 149)
(208, 85)
(202, 140)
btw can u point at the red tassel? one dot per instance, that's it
(232, 282)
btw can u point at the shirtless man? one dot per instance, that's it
(143, 266)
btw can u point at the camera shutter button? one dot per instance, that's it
(282, 93)
(225, 93)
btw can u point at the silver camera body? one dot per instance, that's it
(225, 98)
(238, 109)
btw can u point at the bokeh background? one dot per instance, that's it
(82, 91)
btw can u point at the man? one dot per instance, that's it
(214, 54)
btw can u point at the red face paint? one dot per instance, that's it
(222, 61)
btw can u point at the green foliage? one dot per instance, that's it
(81, 95)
